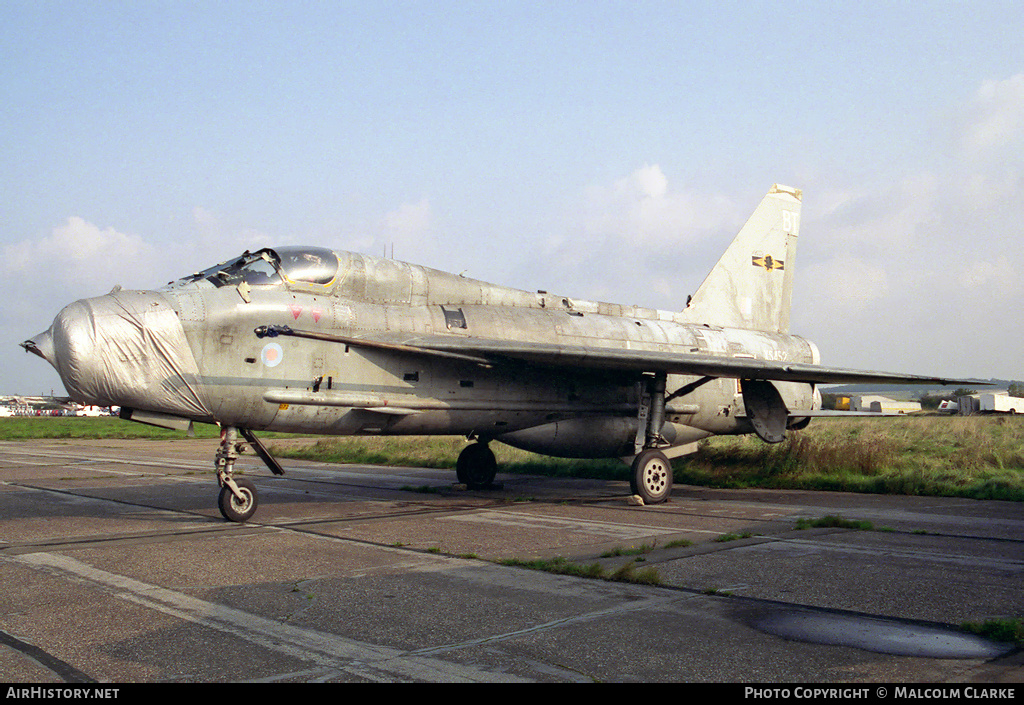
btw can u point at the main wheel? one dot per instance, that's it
(234, 509)
(651, 476)
(476, 466)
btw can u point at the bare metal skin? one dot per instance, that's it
(314, 341)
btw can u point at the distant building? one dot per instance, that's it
(883, 405)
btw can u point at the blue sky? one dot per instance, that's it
(605, 150)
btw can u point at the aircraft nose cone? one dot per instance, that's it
(127, 349)
(74, 341)
(42, 345)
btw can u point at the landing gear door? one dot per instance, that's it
(766, 411)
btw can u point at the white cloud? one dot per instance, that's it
(935, 249)
(642, 208)
(884, 219)
(406, 231)
(205, 219)
(637, 240)
(842, 286)
(81, 257)
(408, 221)
(994, 276)
(995, 117)
(216, 240)
(646, 183)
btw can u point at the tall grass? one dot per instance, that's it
(981, 457)
(977, 456)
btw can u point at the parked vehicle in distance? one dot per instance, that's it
(1000, 404)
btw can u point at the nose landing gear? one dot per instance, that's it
(238, 499)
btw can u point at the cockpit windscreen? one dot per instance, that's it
(315, 265)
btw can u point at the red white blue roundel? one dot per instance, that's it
(272, 355)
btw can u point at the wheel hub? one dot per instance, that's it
(241, 505)
(655, 477)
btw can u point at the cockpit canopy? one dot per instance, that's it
(270, 267)
(313, 265)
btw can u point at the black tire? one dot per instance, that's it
(234, 510)
(651, 476)
(476, 466)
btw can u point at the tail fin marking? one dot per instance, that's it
(751, 286)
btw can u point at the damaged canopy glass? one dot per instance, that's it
(315, 265)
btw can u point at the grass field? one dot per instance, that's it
(979, 456)
(22, 428)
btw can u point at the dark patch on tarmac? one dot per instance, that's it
(66, 672)
(879, 635)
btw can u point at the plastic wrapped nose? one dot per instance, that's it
(41, 345)
(126, 349)
(73, 336)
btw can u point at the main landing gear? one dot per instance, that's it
(476, 466)
(238, 499)
(650, 475)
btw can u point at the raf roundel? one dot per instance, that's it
(272, 355)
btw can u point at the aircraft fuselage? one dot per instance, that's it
(303, 385)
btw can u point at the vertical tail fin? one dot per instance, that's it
(752, 284)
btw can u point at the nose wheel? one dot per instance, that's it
(238, 503)
(237, 500)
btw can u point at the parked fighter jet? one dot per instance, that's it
(306, 340)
